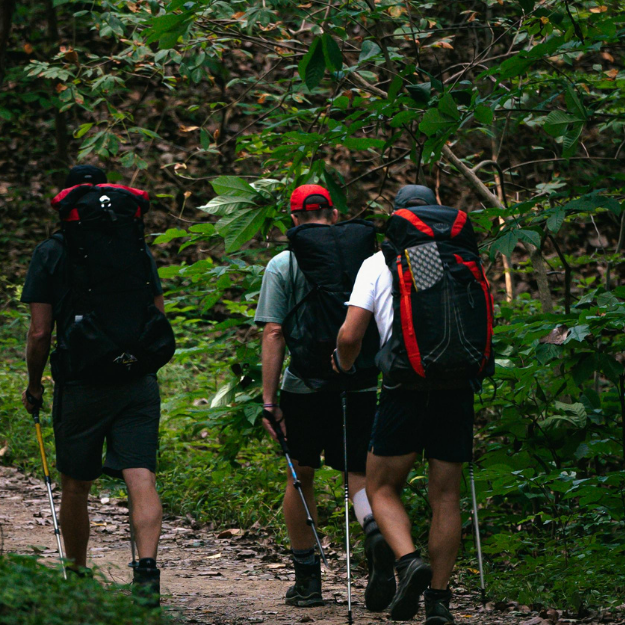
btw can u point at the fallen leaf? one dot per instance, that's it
(607, 56)
(71, 56)
(612, 74)
(184, 128)
(229, 533)
(4, 450)
(238, 15)
(472, 16)
(132, 6)
(446, 45)
(60, 87)
(600, 9)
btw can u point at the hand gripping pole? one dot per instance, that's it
(298, 486)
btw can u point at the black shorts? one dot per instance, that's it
(125, 415)
(314, 424)
(437, 422)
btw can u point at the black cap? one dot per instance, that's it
(411, 192)
(81, 174)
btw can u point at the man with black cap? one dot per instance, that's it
(86, 413)
(409, 423)
(312, 419)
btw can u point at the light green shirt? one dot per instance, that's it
(283, 286)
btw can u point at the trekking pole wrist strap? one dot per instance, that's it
(32, 400)
(335, 357)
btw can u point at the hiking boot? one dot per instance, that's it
(306, 592)
(437, 607)
(381, 562)
(146, 583)
(414, 578)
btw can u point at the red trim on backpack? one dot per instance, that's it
(459, 222)
(63, 194)
(412, 347)
(480, 276)
(418, 223)
(139, 192)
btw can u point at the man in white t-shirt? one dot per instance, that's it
(408, 423)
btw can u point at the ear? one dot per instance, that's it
(335, 216)
(295, 219)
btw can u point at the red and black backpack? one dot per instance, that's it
(115, 331)
(443, 308)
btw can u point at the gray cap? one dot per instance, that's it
(415, 192)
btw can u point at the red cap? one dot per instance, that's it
(310, 197)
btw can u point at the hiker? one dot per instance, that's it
(301, 307)
(97, 282)
(432, 306)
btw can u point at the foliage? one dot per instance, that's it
(32, 593)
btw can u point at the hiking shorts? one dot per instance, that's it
(439, 423)
(314, 425)
(126, 416)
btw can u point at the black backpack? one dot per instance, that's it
(443, 308)
(116, 333)
(329, 257)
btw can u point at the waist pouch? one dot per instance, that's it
(89, 353)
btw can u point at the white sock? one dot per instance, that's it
(361, 506)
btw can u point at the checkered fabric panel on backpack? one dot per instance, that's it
(426, 266)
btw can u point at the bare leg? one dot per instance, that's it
(75, 519)
(445, 531)
(147, 512)
(386, 477)
(300, 534)
(356, 483)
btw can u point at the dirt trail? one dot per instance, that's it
(218, 578)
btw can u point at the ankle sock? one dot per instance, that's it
(304, 556)
(404, 561)
(369, 525)
(147, 563)
(437, 594)
(362, 507)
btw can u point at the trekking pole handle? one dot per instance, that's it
(33, 401)
(335, 358)
(275, 426)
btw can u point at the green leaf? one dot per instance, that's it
(506, 243)
(331, 53)
(432, 122)
(571, 137)
(403, 117)
(205, 139)
(448, 107)
(420, 93)
(556, 219)
(233, 186)
(240, 228)
(557, 122)
(225, 205)
(362, 143)
(82, 130)
(578, 333)
(530, 236)
(573, 103)
(171, 233)
(312, 66)
(336, 192)
(369, 49)
(484, 114)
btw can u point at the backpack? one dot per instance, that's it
(329, 257)
(443, 309)
(116, 333)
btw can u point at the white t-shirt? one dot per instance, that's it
(373, 291)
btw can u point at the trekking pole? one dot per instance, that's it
(37, 403)
(298, 485)
(346, 487)
(132, 564)
(478, 542)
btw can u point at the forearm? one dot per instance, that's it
(37, 350)
(274, 348)
(348, 347)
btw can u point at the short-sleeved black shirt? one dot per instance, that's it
(47, 281)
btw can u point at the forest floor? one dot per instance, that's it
(231, 577)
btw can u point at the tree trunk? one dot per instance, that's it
(7, 7)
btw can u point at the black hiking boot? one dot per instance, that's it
(381, 562)
(146, 583)
(414, 577)
(306, 592)
(437, 607)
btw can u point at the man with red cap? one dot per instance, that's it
(311, 418)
